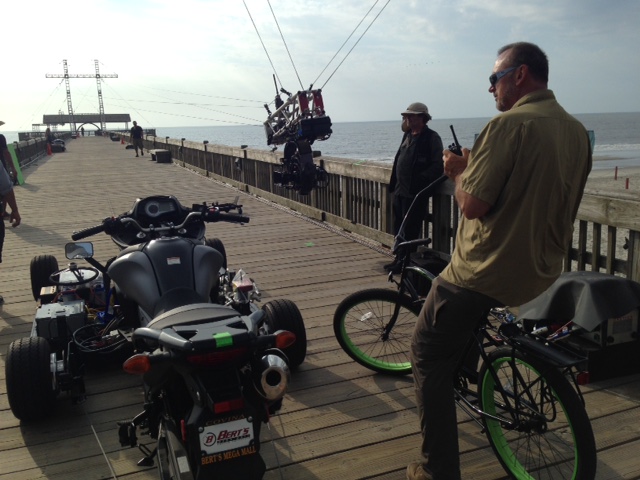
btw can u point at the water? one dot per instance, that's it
(617, 137)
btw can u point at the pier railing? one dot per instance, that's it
(357, 199)
(30, 150)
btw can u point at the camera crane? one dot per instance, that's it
(296, 123)
(300, 120)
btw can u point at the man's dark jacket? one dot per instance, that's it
(427, 161)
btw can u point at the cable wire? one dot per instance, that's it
(345, 42)
(285, 45)
(358, 41)
(263, 45)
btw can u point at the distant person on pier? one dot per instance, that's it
(417, 163)
(48, 136)
(7, 194)
(82, 131)
(136, 137)
(518, 191)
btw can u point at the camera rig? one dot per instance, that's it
(297, 123)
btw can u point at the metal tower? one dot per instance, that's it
(97, 76)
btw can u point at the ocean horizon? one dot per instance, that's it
(617, 136)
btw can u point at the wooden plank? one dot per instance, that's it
(338, 420)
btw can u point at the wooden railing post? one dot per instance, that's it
(634, 256)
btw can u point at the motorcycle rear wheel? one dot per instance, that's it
(283, 314)
(169, 448)
(30, 382)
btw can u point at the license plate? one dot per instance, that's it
(226, 436)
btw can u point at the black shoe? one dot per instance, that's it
(1, 299)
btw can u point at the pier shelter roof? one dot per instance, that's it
(79, 118)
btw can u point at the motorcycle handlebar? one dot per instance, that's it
(110, 225)
(226, 217)
(87, 232)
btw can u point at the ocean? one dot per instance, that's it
(617, 137)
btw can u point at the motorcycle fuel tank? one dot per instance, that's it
(146, 272)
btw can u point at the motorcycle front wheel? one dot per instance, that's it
(217, 244)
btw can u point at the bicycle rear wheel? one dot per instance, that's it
(550, 435)
(359, 325)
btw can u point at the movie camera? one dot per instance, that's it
(296, 123)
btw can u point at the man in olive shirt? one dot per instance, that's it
(519, 192)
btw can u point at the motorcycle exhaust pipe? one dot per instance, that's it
(272, 378)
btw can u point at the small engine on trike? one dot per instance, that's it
(71, 301)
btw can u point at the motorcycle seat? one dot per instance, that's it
(193, 314)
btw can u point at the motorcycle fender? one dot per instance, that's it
(207, 263)
(135, 276)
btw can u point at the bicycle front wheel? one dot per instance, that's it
(538, 428)
(359, 325)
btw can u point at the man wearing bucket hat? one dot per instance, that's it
(417, 163)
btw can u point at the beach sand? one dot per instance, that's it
(604, 177)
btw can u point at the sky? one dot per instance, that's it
(212, 62)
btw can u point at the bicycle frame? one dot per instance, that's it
(405, 286)
(402, 249)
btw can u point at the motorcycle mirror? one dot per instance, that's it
(78, 250)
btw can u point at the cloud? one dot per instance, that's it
(201, 62)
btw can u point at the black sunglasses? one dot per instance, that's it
(495, 77)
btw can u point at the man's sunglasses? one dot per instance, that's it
(495, 77)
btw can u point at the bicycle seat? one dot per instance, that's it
(587, 298)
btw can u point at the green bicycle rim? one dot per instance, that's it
(391, 367)
(500, 441)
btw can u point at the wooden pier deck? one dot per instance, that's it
(339, 420)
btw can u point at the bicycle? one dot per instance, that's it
(525, 395)
(359, 321)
